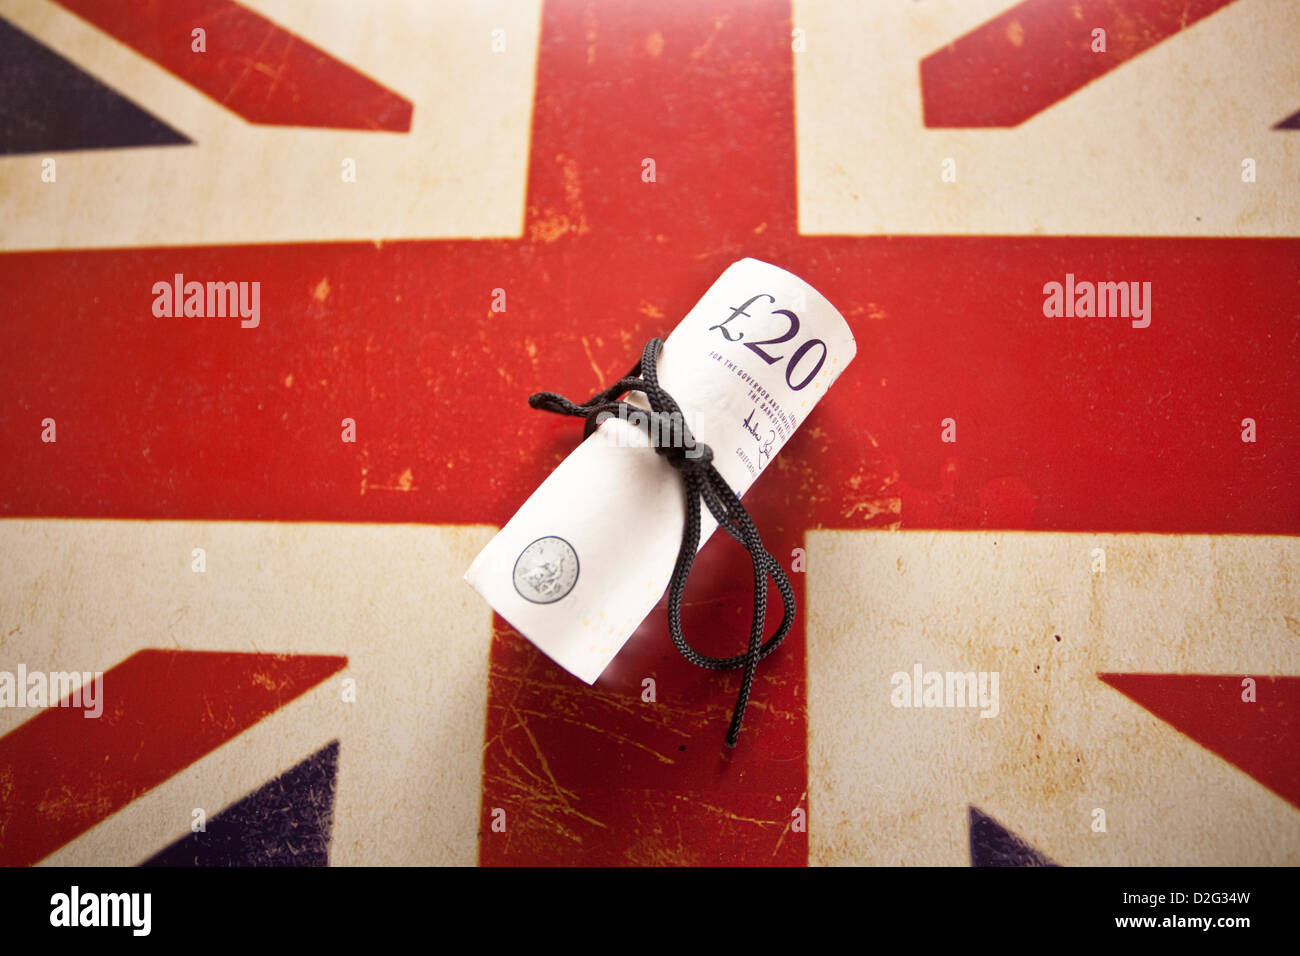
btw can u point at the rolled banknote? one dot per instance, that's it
(746, 365)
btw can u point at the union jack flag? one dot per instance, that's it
(257, 534)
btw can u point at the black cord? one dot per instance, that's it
(694, 460)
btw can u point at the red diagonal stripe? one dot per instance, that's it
(1039, 52)
(61, 773)
(252, 66)
(1261, 737)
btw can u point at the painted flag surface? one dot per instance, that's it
(255, 531)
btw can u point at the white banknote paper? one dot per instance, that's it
(590, 553)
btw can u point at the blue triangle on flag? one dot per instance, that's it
(1291, 122)
(991, 844)
(51, 105)
(286, 822)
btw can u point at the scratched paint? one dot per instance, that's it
(1094, 430)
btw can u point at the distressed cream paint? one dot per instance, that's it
(1153, 148)
(85, 595)
(892, 786)
(459, 173)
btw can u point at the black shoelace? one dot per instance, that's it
(702, 481)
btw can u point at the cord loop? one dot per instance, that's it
(693, 460)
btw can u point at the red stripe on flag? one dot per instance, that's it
(258, 69)
(1062, 424)
(1259, 736)
(61, 772)
(1039, 52)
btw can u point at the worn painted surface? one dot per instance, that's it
(256, 68)
(1082, 425)
(400, 683)
(1097, 707)
(286, 822)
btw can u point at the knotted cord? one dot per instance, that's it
(694, 461)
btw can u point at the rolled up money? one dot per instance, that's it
(746, 365)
